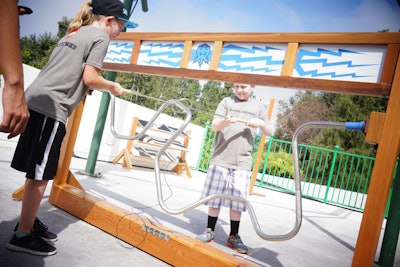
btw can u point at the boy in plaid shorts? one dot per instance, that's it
(236, 120)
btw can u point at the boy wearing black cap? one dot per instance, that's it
(73, 68)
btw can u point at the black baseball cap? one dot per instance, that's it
(113, 8)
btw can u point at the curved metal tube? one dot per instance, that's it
(295, 148)
(252, 214)
(249, 207)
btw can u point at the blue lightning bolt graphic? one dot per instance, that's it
(167, 54)
(318, 58)
(114, 54)
(244, 55)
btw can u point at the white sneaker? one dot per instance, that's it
(206, 236)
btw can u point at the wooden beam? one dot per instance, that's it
(135, 51)
(316, 38)
(67, 147)
(19, 193)
(165, 244)
(332, 86)
(186, 54)
(373, 127)
(290, 59)
(390, 63)
(216, 55)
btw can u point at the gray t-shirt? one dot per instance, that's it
(233, 144)
(59, 87)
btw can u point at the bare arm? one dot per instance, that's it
(220, 123)
(266, 128)
(93, 79)
(15, 110)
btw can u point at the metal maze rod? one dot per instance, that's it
(191, 206)
(295, 148)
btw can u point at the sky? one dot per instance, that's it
(234, 16)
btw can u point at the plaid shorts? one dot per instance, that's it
(227, 181)
(38, 149)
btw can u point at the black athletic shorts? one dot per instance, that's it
(38, 149)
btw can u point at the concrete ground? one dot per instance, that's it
(327, 236)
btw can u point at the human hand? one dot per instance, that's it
(15, 111)
(230, 119)
(118, 90)
(255, 123)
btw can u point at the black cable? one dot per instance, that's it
(133, 8)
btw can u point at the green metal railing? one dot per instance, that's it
(206, 149)
(328, 175)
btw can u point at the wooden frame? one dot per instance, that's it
(67, 194)
(126, 153)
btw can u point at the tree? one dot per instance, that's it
(307, 106)
(303, 107)
(348, 108)
(63, 27)
(212, 93)
(35, 51)
(152, 91)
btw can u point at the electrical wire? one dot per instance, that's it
(141, 208)
(190, 104)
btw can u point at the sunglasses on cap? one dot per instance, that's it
(128, 24)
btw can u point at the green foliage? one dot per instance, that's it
(36, 51)
(314, 106)
(302, 107)
(350, 108)
(206, 151)
(205, 106)
(279, 164)
(156, 89)
(153, 91)
(63, 27)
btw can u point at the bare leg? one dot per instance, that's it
(235, 215)
(33, 194)
(213, 212)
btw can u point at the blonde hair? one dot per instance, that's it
(83, 17)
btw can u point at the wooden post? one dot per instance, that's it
(381, 180)
(126, 153)
(67, 147)
(259, 154)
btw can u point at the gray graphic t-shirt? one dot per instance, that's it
(59, 87)
(233, 144)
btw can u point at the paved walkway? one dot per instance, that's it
(327, 236)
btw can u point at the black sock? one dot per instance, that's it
(212, 221)
(234, 227)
